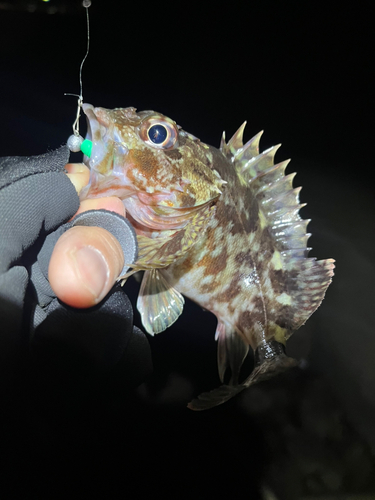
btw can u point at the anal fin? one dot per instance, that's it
(158, 303)
(231, 352)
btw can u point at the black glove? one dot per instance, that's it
(36, 198)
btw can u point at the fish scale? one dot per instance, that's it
(225, 231)
(287, 293)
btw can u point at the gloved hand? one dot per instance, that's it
(36, 201)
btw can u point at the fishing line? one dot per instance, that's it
(76, 142)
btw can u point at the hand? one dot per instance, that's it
(86, 260)
(41, 238)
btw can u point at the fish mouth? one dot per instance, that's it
(97, 132)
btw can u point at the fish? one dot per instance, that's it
(220, 226)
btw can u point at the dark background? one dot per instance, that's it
(302, 71)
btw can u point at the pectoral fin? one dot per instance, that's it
(158, 303)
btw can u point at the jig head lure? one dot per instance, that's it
(76, 142)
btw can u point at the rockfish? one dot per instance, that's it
(220, 226)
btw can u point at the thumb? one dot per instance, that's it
(84, 265)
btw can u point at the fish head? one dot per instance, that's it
(147, 157)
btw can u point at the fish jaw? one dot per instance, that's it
(108, 156)
(96, 133)
(161, 188)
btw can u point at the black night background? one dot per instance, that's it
(303, 72)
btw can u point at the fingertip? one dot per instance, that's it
(84, 266)
(77, 168)
(78, 174)
(111, 203)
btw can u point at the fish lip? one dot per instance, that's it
(96, 132)
(98, 127)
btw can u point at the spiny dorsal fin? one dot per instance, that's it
(235, 150)
(235, 143)
(255, 166)
(278, 200)
(268, 178)
(224, 147)
(222, 141)
(279, 206)
(250, 149)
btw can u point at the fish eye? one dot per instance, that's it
(157, 133)
(160, 132)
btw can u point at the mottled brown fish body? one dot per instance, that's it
(224, 272)
(219, 226)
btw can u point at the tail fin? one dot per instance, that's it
(270, 360)
(216, 397)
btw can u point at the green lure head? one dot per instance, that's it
(86, 147)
